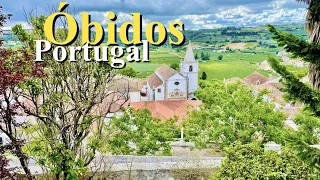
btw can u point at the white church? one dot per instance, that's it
(168, 84)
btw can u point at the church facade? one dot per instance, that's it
(168, 84)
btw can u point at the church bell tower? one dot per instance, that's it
(189, 68)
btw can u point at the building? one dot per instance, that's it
(256, 79)
(168, 84)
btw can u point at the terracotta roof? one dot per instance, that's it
(165, 71)
(168, 109)
(256, 78)
(123, 84)
(154, 80)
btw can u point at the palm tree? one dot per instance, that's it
(313, 28)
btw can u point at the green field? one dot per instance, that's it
(232, 65)
(235, 64)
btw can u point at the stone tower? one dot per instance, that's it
(189, 68)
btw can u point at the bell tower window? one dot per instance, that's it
(190, 68)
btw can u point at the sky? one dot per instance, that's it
(195, 14)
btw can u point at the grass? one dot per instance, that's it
(251, 44)
(224, 70)
(143, 67)
(235, 64)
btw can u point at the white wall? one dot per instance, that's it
(159, 96)
(171, 87)
(192, 76)
(135, 96)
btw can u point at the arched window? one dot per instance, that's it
(190, 68)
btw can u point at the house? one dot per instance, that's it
(256, 79)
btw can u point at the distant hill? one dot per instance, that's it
(220, 37)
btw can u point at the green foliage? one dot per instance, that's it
(300, 72)
(296, 91)
(232, 112)
(220, 58)
(204, 76)
(136, 132)
(205, 57)
(310, 52)
(71, 94)
(128, 71)
(175, 66)
(52, 154)
(196, 56)
(251, 162)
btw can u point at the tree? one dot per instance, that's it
(70, 105)
(138, 133)
(204, 76)
(128, 71)
(16, 66)
(202, 55)
(196, 56)
(5, 171)
(312, 24)
(232, 112)
(220, 57)
(251, 162)
(296, 91)
(175, 66)
(3, 20)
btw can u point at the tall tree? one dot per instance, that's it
(204, 75)
(313, 27)
(307, 135)
(196, 56)
(16, 66)
(70, 105)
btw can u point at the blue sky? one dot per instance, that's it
(195, 14)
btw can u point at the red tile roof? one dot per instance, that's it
(166, 72)
(256, 79)
(154, 80)
(168, 109)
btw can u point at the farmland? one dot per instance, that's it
(234, 64)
